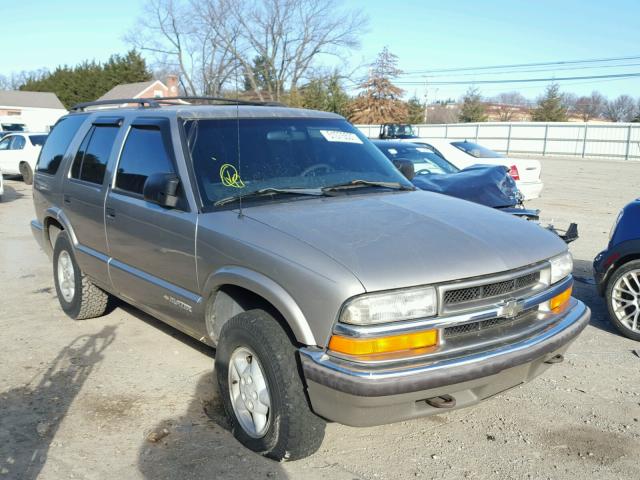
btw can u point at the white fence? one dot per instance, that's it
(616, 140)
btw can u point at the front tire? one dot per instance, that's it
(27, 173)
(78, 296)
(623, 299)
(262, 390)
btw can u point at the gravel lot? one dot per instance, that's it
(78, 399)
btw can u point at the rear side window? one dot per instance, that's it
(37, 140)
(57, 143)
(90, 162)
(144, 153)
(18, 143)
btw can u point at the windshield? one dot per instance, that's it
(476, 150)
(282, 153)
(423, 158)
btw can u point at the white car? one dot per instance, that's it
(463, 154)
(19, 152)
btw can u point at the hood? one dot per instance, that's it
(491, 186)
(400, 239)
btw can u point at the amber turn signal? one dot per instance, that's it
(381, 345)
(558, 303)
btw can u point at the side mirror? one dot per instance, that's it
(406, 167)
(162, 188)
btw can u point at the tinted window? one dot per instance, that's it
(475, 150)
(57, 143)
(18, 143)
(93, 155)
(37, 140)
(144, 153)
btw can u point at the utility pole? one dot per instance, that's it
(426, 104)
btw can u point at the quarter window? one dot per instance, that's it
(91, 160)
(57, 143)
(144, 153)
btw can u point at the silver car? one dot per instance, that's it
(330, 287)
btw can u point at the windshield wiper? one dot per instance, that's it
(366, 183)
(270, 191)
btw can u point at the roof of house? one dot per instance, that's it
(128, 90)
(19, 98)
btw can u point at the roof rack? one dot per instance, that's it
(159, 101)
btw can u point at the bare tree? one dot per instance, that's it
(181, 42)
(622, 109)
(508, 104)
(588, 107)
(207, 41)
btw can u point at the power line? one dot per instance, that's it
(522, 65)
(524, 80)
(538, 70)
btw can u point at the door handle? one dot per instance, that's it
(66, 198)
(111, 212)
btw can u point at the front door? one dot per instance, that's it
(152, 248)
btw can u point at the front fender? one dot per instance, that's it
(269, 290)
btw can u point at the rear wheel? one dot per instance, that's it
(78, 296)
(623, 299)
(26, 172)
(262, 390)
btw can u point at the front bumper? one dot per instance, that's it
(360, 396)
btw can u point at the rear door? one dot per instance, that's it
(84, 195)
(11, 147)
(152, 248)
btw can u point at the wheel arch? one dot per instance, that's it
(53, 223)
(238, 289)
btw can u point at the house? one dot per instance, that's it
(32, 111)
(149, 89)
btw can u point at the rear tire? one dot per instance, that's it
(291, 430)
(27, 173)
(79, 297)
(623, 299)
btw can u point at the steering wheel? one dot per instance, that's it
(316, 167)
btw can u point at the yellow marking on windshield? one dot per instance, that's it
(230, 176)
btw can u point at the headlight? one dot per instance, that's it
(390, 306)
(561, 266)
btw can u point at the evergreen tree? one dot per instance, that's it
(415, 110)
(472, 110)
(324, 93)
(380, 101)
(551, 106)
(89, 80)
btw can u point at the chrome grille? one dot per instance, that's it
(479, 292)
(477, 327)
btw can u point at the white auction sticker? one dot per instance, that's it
(338, 136)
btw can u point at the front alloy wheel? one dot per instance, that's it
(623, 297)
(249, 392)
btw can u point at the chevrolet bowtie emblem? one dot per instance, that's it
(512, 308)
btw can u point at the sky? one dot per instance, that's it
(424, 34)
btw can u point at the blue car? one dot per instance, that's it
(617, 272)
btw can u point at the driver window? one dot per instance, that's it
(4, 144)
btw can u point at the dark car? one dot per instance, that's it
(488, 185)
(617, 271)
